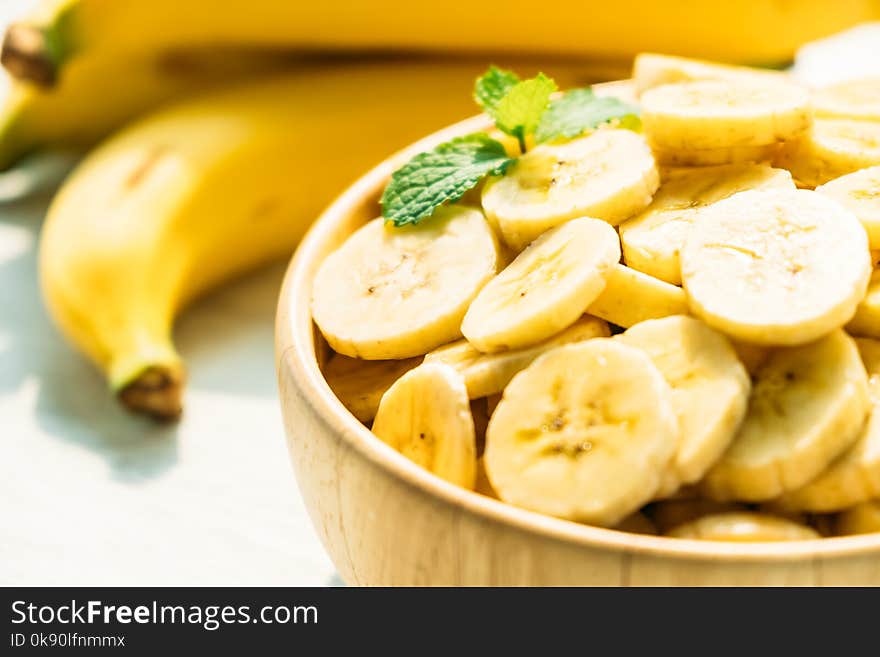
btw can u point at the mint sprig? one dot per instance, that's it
(520, 108)
(520, 111)
(441, 176)
(492, 86)
(581, 110)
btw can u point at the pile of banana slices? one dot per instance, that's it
(670, 331)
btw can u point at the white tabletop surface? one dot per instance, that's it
(91, 496)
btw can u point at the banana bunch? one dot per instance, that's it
(666, 349)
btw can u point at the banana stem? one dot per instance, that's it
(156, 392)
(25, 54)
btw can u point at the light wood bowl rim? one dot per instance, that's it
(295, 351)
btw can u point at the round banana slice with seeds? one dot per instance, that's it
(360, 384)
(854, 99)
(807, 407)
(392, 292)
(832, 148)
(590, 447)
(776, 267)
(860, 192)
(861, 519)
(631, 297)
(866, 321)
(722, 114)
(609, 175)
(652, 70)
(710, 390)
(545, 289)
(743, 527)
(704, 157)
(426, 416)
(488, 374)
(855, 476)
(653, 239)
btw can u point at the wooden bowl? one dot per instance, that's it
(386, 521)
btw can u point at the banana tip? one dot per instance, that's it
(26, 56)
(156, 392)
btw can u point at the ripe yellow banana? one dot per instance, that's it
(204, 190)
(99, 94)
(41, 47)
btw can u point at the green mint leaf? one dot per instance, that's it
(441, 176)
(580, 110)
(520, 111)
(492, 86)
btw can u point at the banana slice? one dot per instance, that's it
(776, 267)
(609, 175)
(488, 374)
(855, 476)
(861, 519)
(724, 113)
(399, 292)
(854, 99)
(703, 157)
(866, 321)
(671, 513)
(545, 289)
(585, 433)
(743, 527)
(860, 192)
(637, 523)
(652, 70)
(710, 390)
(653, 239)
(807, 407)
(426, 416)
(360, 384)
(631, 297)
(832, 148)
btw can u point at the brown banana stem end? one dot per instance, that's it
(25, 55)
(156, 392)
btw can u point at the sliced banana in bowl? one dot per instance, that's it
(609, 174)
(855, 476)
(488, 374)
(360, 384)
(776, 267)
(653, 70)
(545, 289)
(398, 292)
(710, 390)
(710, 114)
(807, 407)
(860, 192)
(591, 448)
(744, 527)
(653, 239)
(631, 297)
(426, 416)
(832, 148)
(853, 99)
